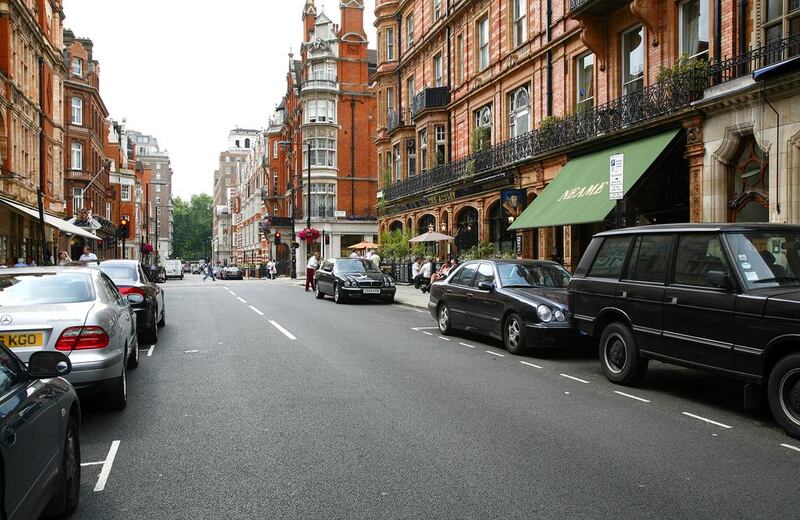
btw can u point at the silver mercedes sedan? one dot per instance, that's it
(77, 311)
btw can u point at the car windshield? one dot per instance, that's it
(44, 288)
(767, 259)
(355, 266)
(120, 273)
(533, 275)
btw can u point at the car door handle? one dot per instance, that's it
(622, 294)
(449, 291)
(8, 437)
(672, 301)
(469, 295)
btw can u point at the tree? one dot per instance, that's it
(191, 226)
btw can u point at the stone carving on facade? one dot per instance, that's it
(538, 177)
(593, 35)
(649, 12)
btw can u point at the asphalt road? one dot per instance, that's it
(261, 402)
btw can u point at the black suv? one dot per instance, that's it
(718, 297)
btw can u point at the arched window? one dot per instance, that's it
(247, 143)
(466, 231)
(749, 183)
(426, 223)
(520, 112)
(499, 236)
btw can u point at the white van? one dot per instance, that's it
(174, 268)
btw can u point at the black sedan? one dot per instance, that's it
(231, 273)
(345, 278)
(40, 457)
(144, 295)
(522, 302)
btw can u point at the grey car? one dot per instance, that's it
(40, 456)
(77, 311)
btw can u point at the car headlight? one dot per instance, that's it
(545, 314)
(347, 283)
(559, 316)
(391, 283)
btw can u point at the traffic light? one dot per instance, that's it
(277, 239)
(123, 228)
(327, 240)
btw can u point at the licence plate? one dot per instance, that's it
(22, 339)
(372, 291)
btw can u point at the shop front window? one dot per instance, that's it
(466, 230)
(749, 181)
(499, 236)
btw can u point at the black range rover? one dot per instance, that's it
(717, 297)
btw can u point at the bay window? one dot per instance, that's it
(323, 199)
(76, 156)
(423, 149)
(323, 148)
(77, 111)
(320, 111)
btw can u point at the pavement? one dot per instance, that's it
(260, 401)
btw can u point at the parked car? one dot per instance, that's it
(77, 310)
(173, 269)
(521, 302)
(345, 278)
(145, 296)
(231, 273)
(156, 273)
(724, 298)
(40, 455)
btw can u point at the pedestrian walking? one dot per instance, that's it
(311, 268)
(87, 255)
(272, 269)
(375, 258)
(353, 254)
(425, 275)
(209, 272)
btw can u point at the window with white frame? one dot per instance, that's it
(411, 157)
(584, 88)
(483, 119)
(437, 70)
(158, 166)
(325, 70)
(396, 161)
(410, 31)
(77, 111)
(389, 100)
(275, 182)
(694, 28)
(519, 113)
(323, 147)
(782, 20)
(158, 176)
(158, 188)
(390, 43)
(108, 211)
(633, 60)
(77, 199)
(440, 140)
(320, 111)
(437, 9)
(125, 193)
(323, 199)
(423, 149)
(77, 156)
(410, 89)
(519, 21)
(275, 149)
(77, 67)
(483, 42)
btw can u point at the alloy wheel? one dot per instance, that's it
(789, 394)
(513, 333)
(614, 353)
(444, 318)
(71, 464)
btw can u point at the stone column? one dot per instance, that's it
(694, 153)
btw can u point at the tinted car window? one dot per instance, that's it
(696, 255)
(33, 289)
(355, 265)
(649, 258)
(538, 275)
(10, 372)
(609, 260)
(766, 259)
(120, 273)
(485, 274)
(466, 276)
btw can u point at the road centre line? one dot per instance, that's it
(631, 396)
(575, 378)
(423, 328)
(241, 299)
(257, 311)
(495, 353)
(709, 421)
(150, 350)
(97, 463)
(428, 333)
(443, 338)
(530, 364)
(789, 446)
(233, 293)
(284, 331)
(466, 345)
(107, 464)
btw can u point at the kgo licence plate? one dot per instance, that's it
(22, 339)
(372, 291)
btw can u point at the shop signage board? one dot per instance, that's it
(616, 176)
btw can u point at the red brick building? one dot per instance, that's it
(482, 100)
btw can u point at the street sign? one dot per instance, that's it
(615, 179)
(339, 214)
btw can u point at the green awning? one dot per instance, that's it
(579, 193)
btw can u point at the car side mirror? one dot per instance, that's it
(719, 279)
(45, 365)
(486, 286)
(134, 299)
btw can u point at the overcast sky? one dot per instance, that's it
(188, 72)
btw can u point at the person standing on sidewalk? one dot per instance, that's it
(311, 268)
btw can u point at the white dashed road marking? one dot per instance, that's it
(466, 345)
(575, 378)
(530, 364)
(709, 421)
(443, 338)
(284, 331)
(495, 353)
(257, 311)
(631, 396)
(423, 328)
(150, 350)
(107, 464)
(789, 446)
(428, 333)
(240, 299)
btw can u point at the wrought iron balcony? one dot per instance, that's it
(595, 7)
(437, 97)
(397, 118)
(745, 64)
(267, 195)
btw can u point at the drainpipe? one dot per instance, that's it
(549, 82)
(549, 19)
(449, 84)
(717, 30)
(399, 58)
(44, 260)
(352, 155)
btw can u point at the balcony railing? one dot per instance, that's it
(437, 97)
(267, 195)
(745, 64)
(324, 82)
(397, 118)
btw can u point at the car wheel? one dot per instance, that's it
(338, 297)
(619, 355)
(133, 360)
(65, 501)
(514, 334)
(151, 337)
(783, 394)
(389, 299)
(443, 320)
(117, 397)
(163, 320)
(318, 293)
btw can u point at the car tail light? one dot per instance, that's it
(82, 338)
(131, 290)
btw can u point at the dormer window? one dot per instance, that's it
(77, 67)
